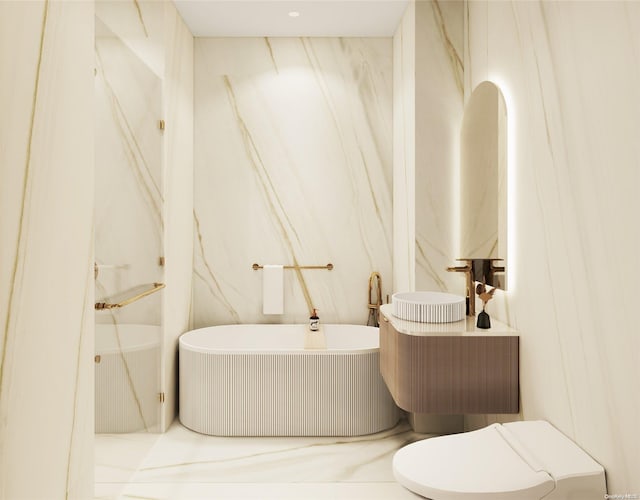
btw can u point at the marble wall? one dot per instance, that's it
(569, 74)
(46, 249)
(293, 156)
(140, 25)
(439, 107)
(428, 100)
(178, 206)
(404, 156)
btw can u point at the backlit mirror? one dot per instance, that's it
(483, 180)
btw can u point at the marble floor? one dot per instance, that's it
(182, 464)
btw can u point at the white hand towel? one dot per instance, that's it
(272, 289)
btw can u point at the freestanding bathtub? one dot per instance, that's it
(280, 380)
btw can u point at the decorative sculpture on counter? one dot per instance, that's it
(484, 321)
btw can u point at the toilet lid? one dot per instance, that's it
(458, 467)
(556, 453)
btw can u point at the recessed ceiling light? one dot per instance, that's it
(294, 13)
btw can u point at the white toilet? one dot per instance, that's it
(515, 461)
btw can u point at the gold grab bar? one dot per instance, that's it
(108, 305)
(329, 267)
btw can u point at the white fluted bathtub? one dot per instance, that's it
(260, 380)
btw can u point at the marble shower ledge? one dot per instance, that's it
(466, 327)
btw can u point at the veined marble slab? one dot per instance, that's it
(439, 108)
(178, 196)
(428, 101)
(293, 166)
(185, 456)
(404, 147)
(258, 491)
(140, 25)
(46, 249)
(185, 464)
(569, 74)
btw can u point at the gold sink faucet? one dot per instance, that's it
(471, 293)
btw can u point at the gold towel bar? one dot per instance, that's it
(126, 302)
(329, 267)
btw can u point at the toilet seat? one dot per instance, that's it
(516, 461)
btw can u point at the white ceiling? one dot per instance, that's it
(229, 18)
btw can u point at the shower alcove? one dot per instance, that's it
(143, 210)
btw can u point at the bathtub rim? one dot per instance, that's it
(248, 350)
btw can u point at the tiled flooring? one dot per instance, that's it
(182, 464)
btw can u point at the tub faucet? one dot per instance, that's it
(471, 293)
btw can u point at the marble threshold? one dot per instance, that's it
(182, 464)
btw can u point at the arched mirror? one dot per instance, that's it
(483, 180)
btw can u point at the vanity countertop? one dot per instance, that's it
(465, 327)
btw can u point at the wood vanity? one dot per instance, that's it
(449, 368)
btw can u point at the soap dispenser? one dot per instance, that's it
(314, 321)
